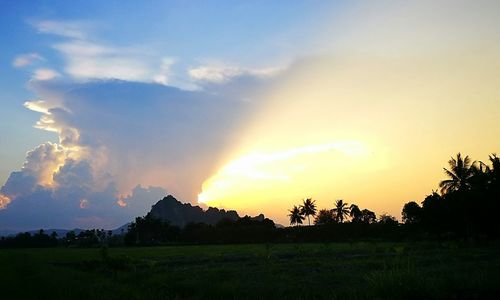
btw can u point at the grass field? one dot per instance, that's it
(278, 271)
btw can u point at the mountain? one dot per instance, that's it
(167, 209)
(179, 214)
(121, 230)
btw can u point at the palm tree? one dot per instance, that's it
(341, 210)
(308, 208)
(296, 216)
(355, 213)
(460, 173)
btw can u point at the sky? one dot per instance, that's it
(106, 107)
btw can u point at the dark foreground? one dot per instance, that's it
(278, 271)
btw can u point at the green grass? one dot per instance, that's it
(278, 271)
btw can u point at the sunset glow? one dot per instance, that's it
(334, 101)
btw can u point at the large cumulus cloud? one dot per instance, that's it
(114, 135)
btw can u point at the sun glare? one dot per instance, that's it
(258, 173)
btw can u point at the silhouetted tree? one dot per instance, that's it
(324, 216)
(387, 219)
(355, 213)
(412, 213)
(149, 230)
(433, 211)
(308, 208)
(460, 173)
(368, 216)
(296, 216)
(70, 237)
(494, 170)
(341, 210)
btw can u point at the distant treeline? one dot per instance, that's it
(85, 238)
(465, 208)
(246, 230)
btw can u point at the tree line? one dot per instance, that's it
(85, 238)
(341, 212)
(466, 206)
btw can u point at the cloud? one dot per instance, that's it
(69, 29)
(78, 197)
(40, 164)
(114, 135)
(4, 201)
(45, 74)
(120, 123)
(88, 59)
(142, 198)
(163, 76)
(24, 60)
(222, 73)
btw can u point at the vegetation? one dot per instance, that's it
(308, 208)
(360, 270)
(467, 205)
(340, 210)
(465, 208)
(296, 216)
(447, 247)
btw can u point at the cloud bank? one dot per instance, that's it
(114, 135)
(120, 123)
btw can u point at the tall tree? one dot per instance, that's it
(412, 213)
(460, 173)
(355, 213)
(296, 216)
(324, 216)
(387, 220)
(308, 208)
(341, 210)
(368, 216)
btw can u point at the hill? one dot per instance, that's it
(181, 214)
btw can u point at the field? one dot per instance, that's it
(358, 270)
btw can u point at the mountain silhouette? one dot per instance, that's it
(180, 214)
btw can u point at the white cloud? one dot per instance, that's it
(69, 29)
(24, 60)
(45, 74)
(216, 74)
(43, 161)
(86, 59)
(221, 73)
(165, 69)
(89, 60)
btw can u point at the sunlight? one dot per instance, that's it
(4, 201)
(260, 173)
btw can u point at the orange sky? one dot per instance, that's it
(373, 126)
